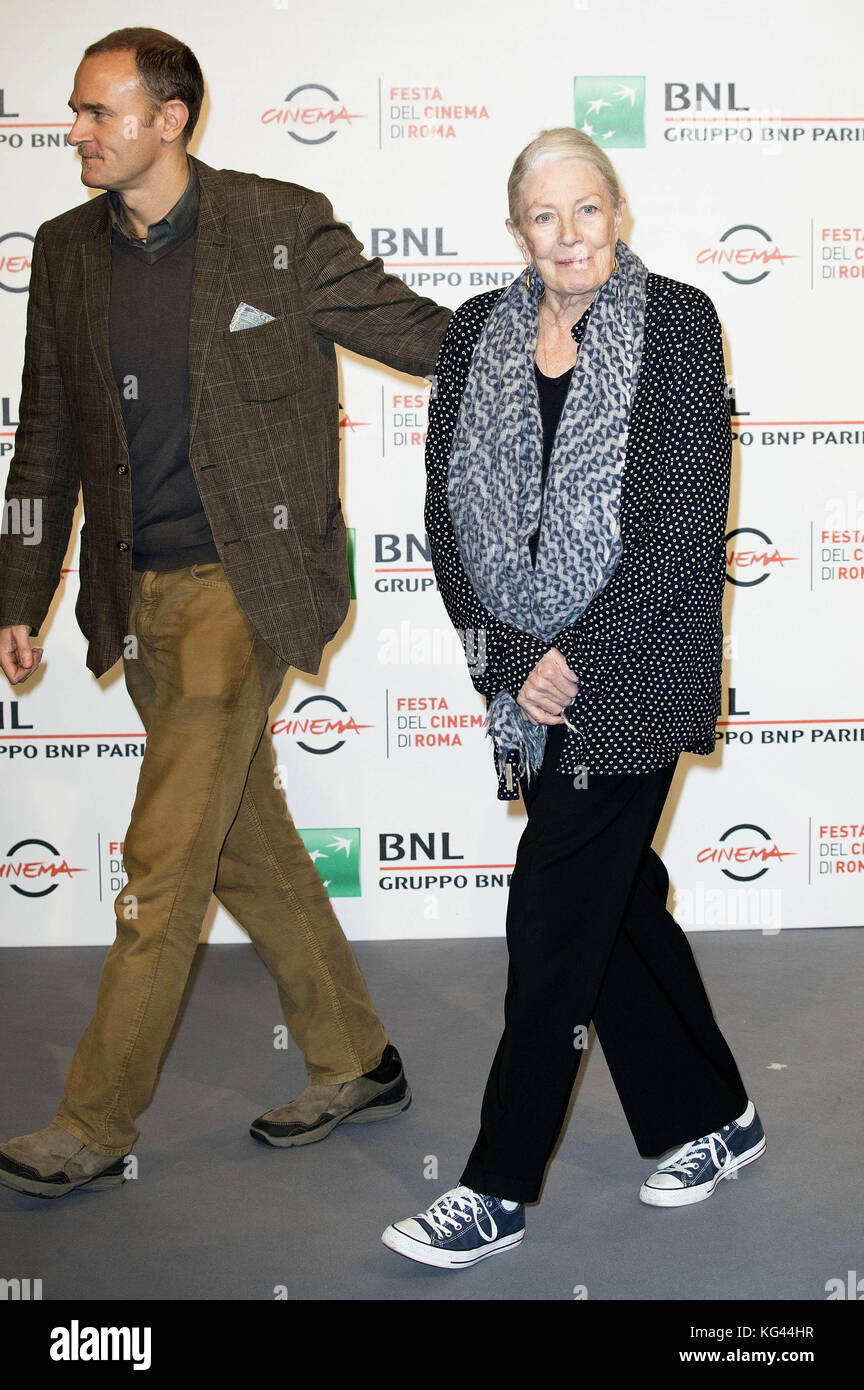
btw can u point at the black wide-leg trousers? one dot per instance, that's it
(590, 938)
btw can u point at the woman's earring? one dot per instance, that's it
(615, 265)
(528, 277)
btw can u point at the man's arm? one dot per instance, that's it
(354, 303)
(42, 488)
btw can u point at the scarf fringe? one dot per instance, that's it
(509, 730)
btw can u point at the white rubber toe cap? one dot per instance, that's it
(413, 1229)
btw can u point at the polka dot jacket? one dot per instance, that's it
(648, 648)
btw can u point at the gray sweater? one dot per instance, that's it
(151, 285)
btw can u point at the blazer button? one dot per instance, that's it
(122, 468)
(122, 545)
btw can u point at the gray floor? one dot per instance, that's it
(214, 1215)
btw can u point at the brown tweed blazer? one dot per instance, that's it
(263, 409)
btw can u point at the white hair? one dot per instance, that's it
(564, 142)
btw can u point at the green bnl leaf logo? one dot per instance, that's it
(352, 573)
(335, 852)
(611, 110)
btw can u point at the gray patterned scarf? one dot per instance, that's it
(494, 484)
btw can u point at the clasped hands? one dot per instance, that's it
(549, 689)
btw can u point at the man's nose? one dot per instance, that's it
(76, 135)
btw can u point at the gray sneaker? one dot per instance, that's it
(52, 1162)
(373, 1096)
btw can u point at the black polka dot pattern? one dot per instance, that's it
(648, 648)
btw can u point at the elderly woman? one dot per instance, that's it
(578, 479)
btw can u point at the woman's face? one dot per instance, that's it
(568, 225)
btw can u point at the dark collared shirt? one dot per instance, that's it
(169, 230)
(151, 290)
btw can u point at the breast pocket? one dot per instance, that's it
(263, 361)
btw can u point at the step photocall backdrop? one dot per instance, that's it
(738, 133)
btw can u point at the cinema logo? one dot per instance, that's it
(840, 251)
(840, 849)
(311, 114)
(401, 424)
(320, 724)
(427, 113)
(428, 722)
(750, 250)
(352, 426)
(841, 554)
(749, 563)
(114, 863)
(16, 249)
(744, 853)
(34, 875)
(406, 419)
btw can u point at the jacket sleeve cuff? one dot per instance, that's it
(33, 628)
(517, 659)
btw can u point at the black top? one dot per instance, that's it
(551, 395)
(648, 649)
(151, 287)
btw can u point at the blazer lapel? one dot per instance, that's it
(96, 280)
(211, 264)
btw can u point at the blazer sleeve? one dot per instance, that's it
(44, 474)
(499, 657)
(681, 549)
(351, 301)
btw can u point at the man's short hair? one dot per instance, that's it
(167, 68)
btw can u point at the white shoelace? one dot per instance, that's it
(687, 1160)
(453, 1209)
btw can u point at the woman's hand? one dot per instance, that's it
(549, 688)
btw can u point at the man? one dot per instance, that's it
(180, 365)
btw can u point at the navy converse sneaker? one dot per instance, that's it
(693, 1172)
(459, 1229)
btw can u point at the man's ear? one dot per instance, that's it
(175, 117)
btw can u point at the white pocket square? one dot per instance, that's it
(245, 316)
